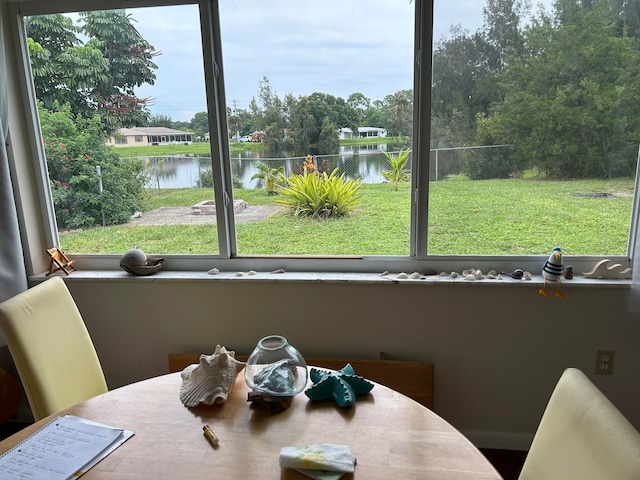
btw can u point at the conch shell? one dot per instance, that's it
(210, 380)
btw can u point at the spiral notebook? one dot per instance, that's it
(64, 448)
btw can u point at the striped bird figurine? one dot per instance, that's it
(552, 272)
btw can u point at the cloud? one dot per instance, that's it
(331, 46)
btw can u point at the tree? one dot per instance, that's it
(269, 115)
(399, 120)
(315, 115)
(200, 124)
(328, 140)
(360, 104)
(130, 65)
(95, 78)
(456, 63)
(160, 120)
(568, 106)
(502, 36)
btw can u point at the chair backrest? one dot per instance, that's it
(582, 435)
(51, 348)
(413, 379)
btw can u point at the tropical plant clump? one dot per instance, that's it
(318, 195)
(399, 171)
(270, 176)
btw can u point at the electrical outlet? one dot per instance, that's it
(604, 362)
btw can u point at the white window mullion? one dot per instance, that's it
(221, 165)
(421, 128)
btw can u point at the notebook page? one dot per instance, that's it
(57, 451)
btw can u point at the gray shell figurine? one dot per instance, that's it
(210, 380)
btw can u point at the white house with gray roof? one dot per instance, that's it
(139, 136)
(363, 132)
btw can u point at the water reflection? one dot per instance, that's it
(364, 162)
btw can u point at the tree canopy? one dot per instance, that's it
(94, 78)
(560, 88)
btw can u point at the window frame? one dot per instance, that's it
(228, 258)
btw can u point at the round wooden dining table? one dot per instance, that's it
(392, 436)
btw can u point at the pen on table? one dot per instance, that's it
(212, 437)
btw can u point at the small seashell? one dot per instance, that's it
(402, 276)
(252, 272)
(210, 380)
(470, 277)
(455, 274)
(280, 270)
(384, 273)
(568, 272)
(527, 275)
(415, 275)
(478, 275)
(213, 271)
(492, 272)
(490, 276)
(133, 258)
(468, 271)
(444, 274)
(239, 274)
(517, 274)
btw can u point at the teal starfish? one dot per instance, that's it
(342, 386)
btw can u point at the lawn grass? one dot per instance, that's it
(198, 148)
(204, 148)
(489, 217)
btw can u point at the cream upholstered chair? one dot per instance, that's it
(51, 348)
(582, 436)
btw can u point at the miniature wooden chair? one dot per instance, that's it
(59, 261)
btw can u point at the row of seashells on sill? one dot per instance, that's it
(470, 274)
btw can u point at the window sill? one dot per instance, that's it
(321, 277)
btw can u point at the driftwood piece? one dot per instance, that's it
(271, 403)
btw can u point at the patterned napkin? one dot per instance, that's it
(322, 456)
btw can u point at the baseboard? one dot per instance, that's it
(499, 440)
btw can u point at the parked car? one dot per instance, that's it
(245, 138)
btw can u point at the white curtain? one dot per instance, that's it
(13, 274)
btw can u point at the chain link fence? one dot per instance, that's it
(364, 163)
(477, 163)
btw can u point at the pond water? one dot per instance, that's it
(364, 162)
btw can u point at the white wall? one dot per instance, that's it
(497, 351)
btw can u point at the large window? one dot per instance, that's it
(329, 137)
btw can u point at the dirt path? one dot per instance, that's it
(183, 216)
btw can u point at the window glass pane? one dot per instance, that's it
(123, 114)
(534, 128)
(311, 88)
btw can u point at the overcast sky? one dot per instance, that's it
(330, 46)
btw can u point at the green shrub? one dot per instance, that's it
(319, 195)
(206, 180)
(74, 147)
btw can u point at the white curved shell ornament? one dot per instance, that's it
(210, 380)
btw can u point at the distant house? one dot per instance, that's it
(138, 136)
(363, 132)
